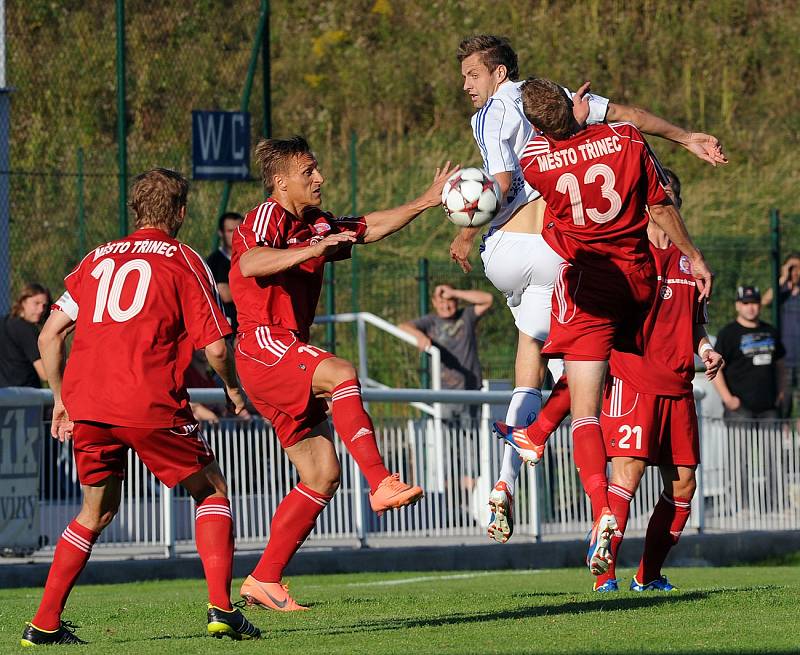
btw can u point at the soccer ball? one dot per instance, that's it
(470, 197)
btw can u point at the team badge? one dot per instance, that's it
(665, 292)
(685, 265)
(302, 367)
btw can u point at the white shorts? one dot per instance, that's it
(523, 267)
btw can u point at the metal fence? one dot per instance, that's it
(749, 479)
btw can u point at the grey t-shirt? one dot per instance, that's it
(457, 340)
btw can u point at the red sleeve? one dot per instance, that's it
(656, 179)
(535, 147)
(202, 315)
(72, 283)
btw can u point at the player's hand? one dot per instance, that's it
(706, 147)
(333, 242)
(460, 248)
(580, 104)
(713, 362)
(703, 276)
(61, 427)
(236, 397)
(433, 196)
(203, 413)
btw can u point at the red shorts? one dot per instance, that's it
(594, 312)
(276, 370)
(171, 454)
(660, 429)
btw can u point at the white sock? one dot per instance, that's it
(522, 411)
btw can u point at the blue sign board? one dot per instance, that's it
(220, 145)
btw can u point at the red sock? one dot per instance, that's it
(553, 412)
(589, 453)
(214, 539)
(619, 502)
(663, 531)
(72, 552)
(354, 427)
(293, 522)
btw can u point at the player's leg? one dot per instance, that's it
(626, 474)
(666, 524)
(317, 465)
(338, 377)
(586, 379)
(100, 504)
(526, 401)
(215, 545)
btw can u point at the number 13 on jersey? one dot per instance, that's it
(568, 183)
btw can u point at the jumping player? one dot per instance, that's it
(649, 411)
(146, 303)
(597, 183)
(516, 258)
(279, 253)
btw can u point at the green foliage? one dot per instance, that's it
(386, 70)
(717, 610)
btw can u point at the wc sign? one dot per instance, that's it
(220, 145)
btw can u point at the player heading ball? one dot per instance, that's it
(598, 183)
(279, 253)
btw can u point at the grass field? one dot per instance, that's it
(718, 610)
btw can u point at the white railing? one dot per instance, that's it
(750, 479)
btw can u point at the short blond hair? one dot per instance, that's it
(157, 198)
(273, 156)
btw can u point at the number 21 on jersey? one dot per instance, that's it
(568, 183)
(109, 290)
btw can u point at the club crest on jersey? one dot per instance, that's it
(322, 227)
(685, 265)
(665, 292)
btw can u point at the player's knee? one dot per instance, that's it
(344, 371)
(325, 479)
(684, 488)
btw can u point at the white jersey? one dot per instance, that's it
(502, 132)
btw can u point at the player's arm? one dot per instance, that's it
(712, 360)
(224, 291)
(704, 146)
(381, 224)
(220, 356)
(669, 219)
(262, 261)
(780, 374)
(52, 347)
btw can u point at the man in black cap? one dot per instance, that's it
(751, 385)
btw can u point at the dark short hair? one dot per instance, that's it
(547, 107)
(273, 155)
(157, 197)
(494, 51)
(674, 182)
(228, 216)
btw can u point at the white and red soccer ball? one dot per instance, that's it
(470, 197)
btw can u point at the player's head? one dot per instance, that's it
(445, 307)
(32, 303)
(226, 226)
(158, 199)
(289, 171)
(673, 189)
(486, 62)
(748, 302)
(548, 107)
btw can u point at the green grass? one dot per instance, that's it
(718, 610)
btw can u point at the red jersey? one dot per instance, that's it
(288, 299)
(667, 366)
(597, 185)
(142, 305)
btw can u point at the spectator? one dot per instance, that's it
(789, 305)
(219, 262)
(452, 330)
(751, 385)
(20, 362)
